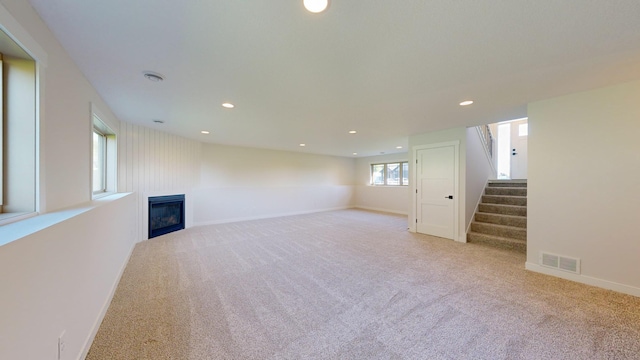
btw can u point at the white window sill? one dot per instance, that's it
(20, 229)
(102, 194)
(7, 218)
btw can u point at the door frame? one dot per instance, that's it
(456, 184)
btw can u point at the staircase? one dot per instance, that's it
(501, 219)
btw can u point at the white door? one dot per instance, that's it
(519, 137)
(436, 195)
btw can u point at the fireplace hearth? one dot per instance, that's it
(166, 214)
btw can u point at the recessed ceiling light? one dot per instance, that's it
(352, 131)
(204, 132)
(355, 153)
(303, 145)
(398, 147)
(466, 102)
(153, 76)
(158, 121)
(315, 6)
(228, 105)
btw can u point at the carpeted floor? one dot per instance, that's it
(351, 285)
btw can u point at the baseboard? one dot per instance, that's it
(382, 210)
(269, 216)
(605, 284)
(96, 326)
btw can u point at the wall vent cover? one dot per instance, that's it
(560, 262)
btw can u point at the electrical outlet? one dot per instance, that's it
(61, 345)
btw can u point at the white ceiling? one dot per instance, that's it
(388, 69)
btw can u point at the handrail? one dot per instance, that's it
(487, 137)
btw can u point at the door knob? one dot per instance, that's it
(449, 197)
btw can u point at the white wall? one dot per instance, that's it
(65, 99)
(455, 134)
(479, 170)
(393, 199)
(153, 163)
(584, 184)
(59, 273)
(244, 183)
(59, 276)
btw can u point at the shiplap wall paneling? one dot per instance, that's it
(153, 162)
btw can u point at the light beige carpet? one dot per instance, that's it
(351, 285)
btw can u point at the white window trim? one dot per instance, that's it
(385, 163)
(99, 125)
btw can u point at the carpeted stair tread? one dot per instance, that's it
(499, 230)
(503, 209)
(497, 241)
(502, 219)
(507, 200)
(507, 183)
(506, 190)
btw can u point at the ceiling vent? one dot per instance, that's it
(153, 76)
(560, 262)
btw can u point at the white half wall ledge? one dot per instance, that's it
(583, 279)
(20, 229)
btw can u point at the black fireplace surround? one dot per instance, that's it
(166, 214)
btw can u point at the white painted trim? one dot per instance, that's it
(381, 163)
(456, 185)
(270, 216)
(103, 312)
(605, 284)
(381, 210)
(21, 36)
(12, 27)
(8, 218)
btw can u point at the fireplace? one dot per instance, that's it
(166, 214)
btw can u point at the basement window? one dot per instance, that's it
(18, 131)
(103, 158)
(390, 174)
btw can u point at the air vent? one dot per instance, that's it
(560, 262)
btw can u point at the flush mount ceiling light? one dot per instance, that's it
(352, 131)
(303, 145)
(466, 102)
(398, 147)
(315, 6)
(355, 153)
(153, 76)
(204, 132)
(228, 105)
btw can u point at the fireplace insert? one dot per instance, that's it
(166, 214)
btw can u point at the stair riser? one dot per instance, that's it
(496, 230)
(509, 191)
(505, 200)
(505, 184)
(499, 209)
(519, 246)
(520, 222)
